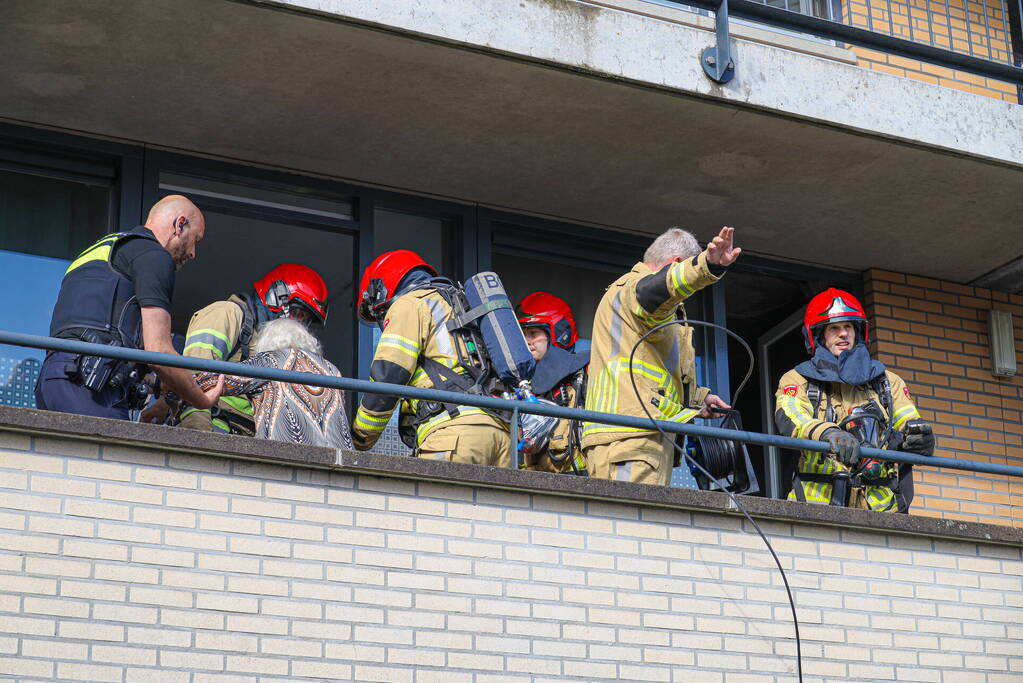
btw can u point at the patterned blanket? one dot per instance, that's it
(295, 413)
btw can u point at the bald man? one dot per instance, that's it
(118, 292)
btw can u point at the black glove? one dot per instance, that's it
(919, 438)
(844, 445)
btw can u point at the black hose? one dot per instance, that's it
(718, 482)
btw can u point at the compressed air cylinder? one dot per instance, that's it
(500, 329)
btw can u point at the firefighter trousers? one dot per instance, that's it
(473, 443)
(642, 459)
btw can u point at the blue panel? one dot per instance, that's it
(30, 284)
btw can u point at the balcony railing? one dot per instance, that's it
(490, 402)
(981, 37)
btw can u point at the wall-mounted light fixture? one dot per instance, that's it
(1003, 344)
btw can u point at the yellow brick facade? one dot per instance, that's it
(968, 27)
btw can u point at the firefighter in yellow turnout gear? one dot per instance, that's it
(549, 328)
(224, 330)
(844, 397)
(401, 292)
(673, 269)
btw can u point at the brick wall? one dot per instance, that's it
(934, 334)
(977, 27)
(118, 563)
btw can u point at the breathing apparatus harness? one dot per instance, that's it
(720, 456)
(575, 431)
(486, 354)
(537, 430)
(870, 424)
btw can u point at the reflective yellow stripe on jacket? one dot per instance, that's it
(100, 251)
(615, 378)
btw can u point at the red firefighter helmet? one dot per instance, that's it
(833, 306)
(552, 314)
(291, 284)
(381, 278)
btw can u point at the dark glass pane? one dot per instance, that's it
(581, 287)
(422, 234)
(51, 217)
(237, 251)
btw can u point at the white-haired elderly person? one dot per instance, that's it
(295, 413)
(673, 268)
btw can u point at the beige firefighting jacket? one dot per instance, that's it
(794, 417)
(213, 333)
(413, 329)
(664, 365)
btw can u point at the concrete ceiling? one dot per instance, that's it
(256, 84)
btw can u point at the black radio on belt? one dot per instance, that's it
(96, 372)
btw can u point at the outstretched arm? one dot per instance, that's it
(658, 295)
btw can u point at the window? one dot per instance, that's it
(252, 227)
(51, 208)
(428, 236)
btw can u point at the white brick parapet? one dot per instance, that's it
(128, 554)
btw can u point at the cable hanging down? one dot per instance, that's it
(735, 501)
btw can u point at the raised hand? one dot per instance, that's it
(720, 251)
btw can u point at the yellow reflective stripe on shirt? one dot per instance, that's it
(678, 279)
(595, 428)
(906, 413)
(371, 422)
(651, 372)
(219, 353)
(880, 498)
(684, 416)
(239, 404)
(212, 340)
(816, 462)
(799, 417)
(649, 320)
(403, 344)
(100, 251)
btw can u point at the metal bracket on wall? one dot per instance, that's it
(717, 61)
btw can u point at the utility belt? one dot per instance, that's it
(98, 373)
(445, 379)
(409, 423)
(842, 485)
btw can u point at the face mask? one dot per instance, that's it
(867, 424)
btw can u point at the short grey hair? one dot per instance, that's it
(285, 333)
(672, 243)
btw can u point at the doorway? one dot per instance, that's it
(765, 301)
(252, 228)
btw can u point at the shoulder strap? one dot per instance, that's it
(883, 388)
(813, 392)
(248, 325)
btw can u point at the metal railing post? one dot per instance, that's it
(717, 62)
(514, 433)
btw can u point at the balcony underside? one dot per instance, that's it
(325, 96)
